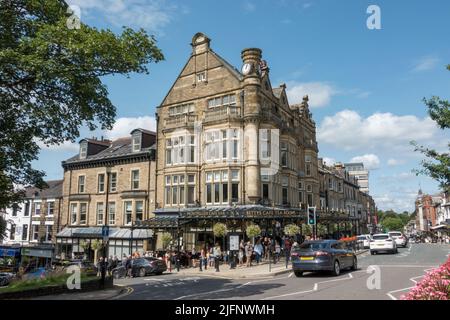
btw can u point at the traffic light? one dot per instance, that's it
(311, 215)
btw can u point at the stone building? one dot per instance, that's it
(339, 194)
(109, 183)
(231, 148)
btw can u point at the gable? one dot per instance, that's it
(220, 77)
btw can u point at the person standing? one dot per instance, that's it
(287, 250)
(202, 258)
(248, 254)
(216, 254)
(258, 251)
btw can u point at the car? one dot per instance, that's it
(6, 278)
(399, 237)
(322, 255)
(141, 267)
(382, 242)
(364, 240)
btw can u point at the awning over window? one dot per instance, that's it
(114, 233)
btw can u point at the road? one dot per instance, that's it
(397, 273)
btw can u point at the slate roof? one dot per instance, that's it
(118, 148)
(54, 190)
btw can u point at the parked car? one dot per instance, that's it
(6, 278)
(141, 267)
(382, 242)
(400, 238)
(364, 240)
(86, 267)
(322, 255)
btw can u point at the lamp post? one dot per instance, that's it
(105, 229)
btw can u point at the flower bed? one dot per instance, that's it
(434, 286)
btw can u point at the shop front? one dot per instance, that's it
(81, 243)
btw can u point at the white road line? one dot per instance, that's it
(413, 279)
(290, 275)
(315, 288)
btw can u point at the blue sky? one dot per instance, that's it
(365, 86)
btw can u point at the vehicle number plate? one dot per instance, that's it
(306, 258)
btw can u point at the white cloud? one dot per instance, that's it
(348, 130)
(150, 14)
(425, 64)
(395, 162)
(371, 161)
(66, 146)
(319, 93)
(399, 201)
(124, 126)
(329, 161)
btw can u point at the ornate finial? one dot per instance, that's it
(305, 98)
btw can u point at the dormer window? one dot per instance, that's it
(137, 137)
(83, 150)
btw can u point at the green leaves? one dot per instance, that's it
(50, 81)
(436, 165)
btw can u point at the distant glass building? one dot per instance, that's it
(362, 175)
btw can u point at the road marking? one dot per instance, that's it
(315, 288)
(290, 274)
(148, 279)
(413, 279)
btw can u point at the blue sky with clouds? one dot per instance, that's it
(365, 86)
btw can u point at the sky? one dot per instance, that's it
(366, 86)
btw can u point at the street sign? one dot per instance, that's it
(105, 233)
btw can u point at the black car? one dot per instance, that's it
(323, 255)
(141, 267)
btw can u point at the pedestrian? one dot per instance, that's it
(287, 250)
(241, 256)
(277, 251)
(99, 267)
(217, 253)
(128, 266)
(202, 258)
(258, 251)
(248, 253)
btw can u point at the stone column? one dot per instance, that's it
(252, 170)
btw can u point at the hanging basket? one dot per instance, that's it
(253, 230)
(291, 229)
(220, 229)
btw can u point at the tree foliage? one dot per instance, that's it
(50, 82)
(392, 224)
(437, 164)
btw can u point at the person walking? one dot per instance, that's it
(217, 253)
(277, 251)
(128, 266)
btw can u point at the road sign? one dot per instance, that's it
(105, 233)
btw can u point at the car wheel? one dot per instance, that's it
(372, 252)
(396, 250)
(298, 273)
(142, 272)
(355, 264)
(336, 268)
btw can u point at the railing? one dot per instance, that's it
(222, 113)
(180, 120)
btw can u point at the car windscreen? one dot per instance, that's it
(395, 234)
(362, 238)
(380, 237)
(313, 246)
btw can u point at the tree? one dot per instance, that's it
(392, 224)
(291, 229)
(437, 165)
(50, 82)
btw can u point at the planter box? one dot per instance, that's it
(91, 285)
